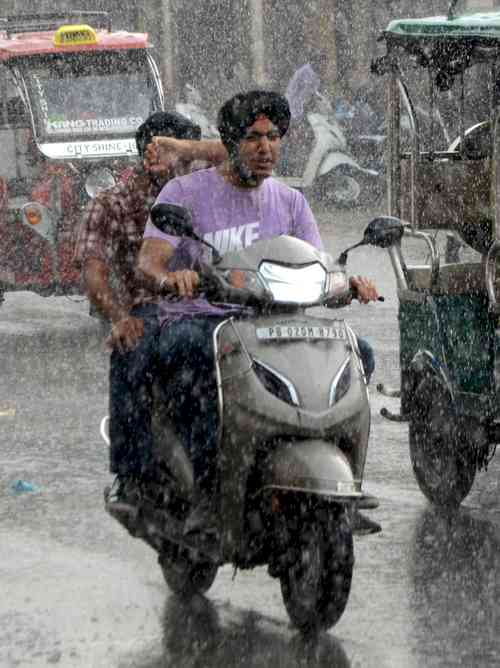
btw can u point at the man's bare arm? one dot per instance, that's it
(126, 329)
(166, 152)
(153, 261)
(99, 291)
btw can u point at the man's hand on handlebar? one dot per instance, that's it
(184, 283)
(364, 290)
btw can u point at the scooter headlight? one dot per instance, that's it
(294, 285)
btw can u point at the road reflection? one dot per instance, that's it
(456, 588)
(197, 635)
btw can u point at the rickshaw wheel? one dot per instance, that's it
(443, 458)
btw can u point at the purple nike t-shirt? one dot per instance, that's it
(230, 218)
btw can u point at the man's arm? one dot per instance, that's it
(165, 152)
(96, 277)
(154, 257)
(92, 254)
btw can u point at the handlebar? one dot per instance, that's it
(346, 298)
(217, 289)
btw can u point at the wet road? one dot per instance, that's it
(76, 590)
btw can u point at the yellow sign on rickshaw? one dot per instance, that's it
(75, 35)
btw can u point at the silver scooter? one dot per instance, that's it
(192, 109)
(294, 423)
(331, 173)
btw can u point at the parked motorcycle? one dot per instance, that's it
(192, 109)
(294, 426)
(325, 167)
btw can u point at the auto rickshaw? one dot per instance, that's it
(444, 197)
(73, 94)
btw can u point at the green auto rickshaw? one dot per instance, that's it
(443, 166)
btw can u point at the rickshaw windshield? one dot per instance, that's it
(89, 94)
(449, 67)
(442, 112)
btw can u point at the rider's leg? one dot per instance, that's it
(367, 357)
(186, 350)
(130, 400)
(360, 523)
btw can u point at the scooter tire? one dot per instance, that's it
(339, 188)
(316, 587)
(186, 577)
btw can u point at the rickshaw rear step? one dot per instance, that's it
(393, 417)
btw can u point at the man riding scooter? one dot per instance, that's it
(231, 207)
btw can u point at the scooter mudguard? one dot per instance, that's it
(313, 467)
(337, 159)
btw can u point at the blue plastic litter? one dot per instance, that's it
(24, 487)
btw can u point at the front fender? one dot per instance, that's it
(424, 365)
(337, 159)
(315, 467)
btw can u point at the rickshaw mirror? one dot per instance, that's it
(38, 218)
(98, 180)
(383, 232)
(173, 219)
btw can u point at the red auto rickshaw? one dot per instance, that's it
(74, 93)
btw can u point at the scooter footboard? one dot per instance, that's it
(315, 467)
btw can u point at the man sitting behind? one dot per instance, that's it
(232, 206)
(108, 244)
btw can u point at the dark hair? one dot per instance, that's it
(165, 124)
(242, 110)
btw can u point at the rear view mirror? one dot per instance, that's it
(98, 180)
(383, 232)
(173, 219)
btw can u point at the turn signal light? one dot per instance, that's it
(33, 216)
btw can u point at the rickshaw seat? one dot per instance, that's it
(466, 278)
(451, 194)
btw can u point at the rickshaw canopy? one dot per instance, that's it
(482, 26)
(43, 43)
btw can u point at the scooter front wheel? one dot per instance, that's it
(316, 585)
(184, 576)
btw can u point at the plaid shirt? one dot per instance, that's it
(112, 231)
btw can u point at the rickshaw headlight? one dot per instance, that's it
(99, 179)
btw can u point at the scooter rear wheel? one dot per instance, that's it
(339, 188)
(184, 576)
(316, 586)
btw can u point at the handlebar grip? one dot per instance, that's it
(354, 295)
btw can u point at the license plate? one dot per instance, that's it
(334, 332)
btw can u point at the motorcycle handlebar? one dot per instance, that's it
(216, 288)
